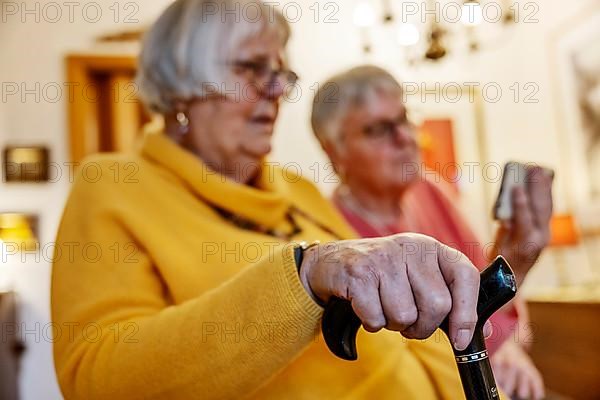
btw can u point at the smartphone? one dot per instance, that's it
(514, 174)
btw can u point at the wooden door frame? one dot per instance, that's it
(82, 113)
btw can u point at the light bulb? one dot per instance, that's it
(364, 14)
(408, 35)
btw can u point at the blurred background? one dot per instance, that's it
(487, 82)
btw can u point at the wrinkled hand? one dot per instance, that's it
(522, 239)
(515, 373)
(406, 282)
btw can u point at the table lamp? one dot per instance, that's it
(18, 230)
(563, 233)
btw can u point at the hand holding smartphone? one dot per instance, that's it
(515, 174)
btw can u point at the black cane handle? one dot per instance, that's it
(497, 286)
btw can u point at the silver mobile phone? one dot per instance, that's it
(515, 174)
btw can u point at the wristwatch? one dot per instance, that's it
(299, 252)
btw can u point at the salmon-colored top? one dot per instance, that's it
(429, 209)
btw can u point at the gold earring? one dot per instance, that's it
(184, 123)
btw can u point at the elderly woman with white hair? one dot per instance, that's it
(363, 126)
(181, 280)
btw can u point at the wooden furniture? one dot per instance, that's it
(566, 345)
(10, 348)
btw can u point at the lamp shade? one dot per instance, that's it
(18, 230)
(563, 231)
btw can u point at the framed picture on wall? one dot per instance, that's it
(25, 164)
(576, 49)
(453, 144)
(436, 139)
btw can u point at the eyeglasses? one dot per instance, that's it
(263, 75)
(386, 130)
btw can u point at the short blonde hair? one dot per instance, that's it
(184, 52)
(341, 92)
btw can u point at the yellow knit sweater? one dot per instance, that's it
(157, 296)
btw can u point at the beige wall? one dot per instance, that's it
(33, 52)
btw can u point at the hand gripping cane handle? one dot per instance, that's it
(497, 286)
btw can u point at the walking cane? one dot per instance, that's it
(497, 286)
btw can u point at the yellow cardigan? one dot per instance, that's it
(156, 296)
